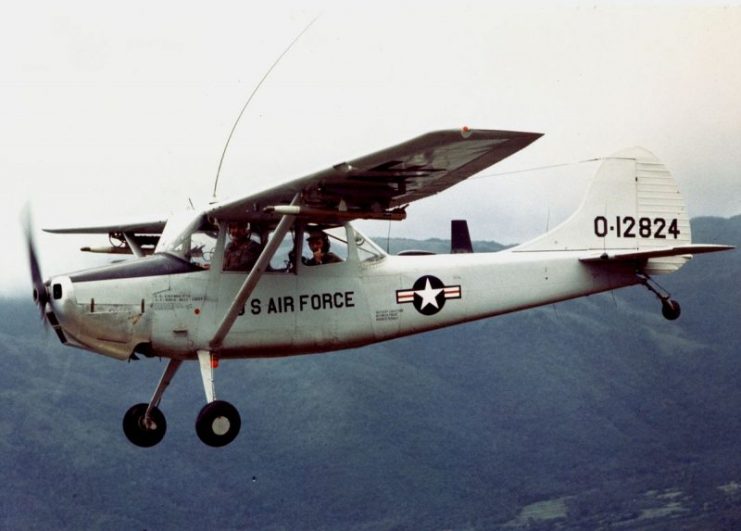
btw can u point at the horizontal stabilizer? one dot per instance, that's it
(632, 255)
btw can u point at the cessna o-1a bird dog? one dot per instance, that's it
(240, 280)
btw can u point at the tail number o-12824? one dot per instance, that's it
(630, 227)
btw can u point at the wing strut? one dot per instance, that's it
(250, 283)
(133, 245)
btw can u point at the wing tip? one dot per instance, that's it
(494, 134)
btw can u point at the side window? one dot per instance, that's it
(284, 259)
(242, 248)
(324, 245)
(367, 250)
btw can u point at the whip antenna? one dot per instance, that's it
(252, 95)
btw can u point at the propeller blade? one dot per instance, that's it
(40, 294)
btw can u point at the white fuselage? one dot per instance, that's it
(631, 224)
(320, 308)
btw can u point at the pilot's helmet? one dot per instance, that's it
(239, 228)
(319, 235)
(316, 235)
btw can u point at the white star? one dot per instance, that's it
(429, 295)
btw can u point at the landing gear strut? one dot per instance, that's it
(670, 308)
(144, 424)
(218, 423)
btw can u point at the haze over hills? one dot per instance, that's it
(590, 413)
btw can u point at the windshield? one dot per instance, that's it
(184, 238)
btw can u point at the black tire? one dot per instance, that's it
(670, 309)
(218, 423)
(137, 433)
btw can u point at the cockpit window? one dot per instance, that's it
(367, 250)
(202, 246)
(243, 247)
(284, 259)
(324, 246)
(186, 237)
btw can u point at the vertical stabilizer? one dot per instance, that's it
(632, 203)
(460, 238)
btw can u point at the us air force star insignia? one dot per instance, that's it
(428, 294)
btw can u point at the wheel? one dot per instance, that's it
(140, 434)
(670, 309)
(218, 423)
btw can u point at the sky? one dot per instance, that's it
(121, 112)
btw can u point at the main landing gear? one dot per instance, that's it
(217, 424)
(670, 308)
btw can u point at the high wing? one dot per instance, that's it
(380, 185)
(376, 186)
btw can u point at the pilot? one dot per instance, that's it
(242, 252)
(319, 246)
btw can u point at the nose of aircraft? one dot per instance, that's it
(59, 294)
(40, 294)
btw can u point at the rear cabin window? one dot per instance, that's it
(323, 246)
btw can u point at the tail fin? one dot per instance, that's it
(460, 238)
(633, 203)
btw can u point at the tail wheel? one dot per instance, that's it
(218, 423)
(670, 309)
(141, 432)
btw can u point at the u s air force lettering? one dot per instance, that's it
(337, 300)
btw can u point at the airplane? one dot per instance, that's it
(282, 271)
